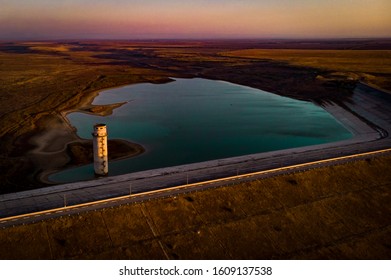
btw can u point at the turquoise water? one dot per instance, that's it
(193, 120)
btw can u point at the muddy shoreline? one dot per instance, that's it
(58, 147)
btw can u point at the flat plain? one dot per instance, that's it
(337, 212)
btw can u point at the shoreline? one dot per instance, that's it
(64, 133)
(357, 127)
(64, 136)
(76, 160)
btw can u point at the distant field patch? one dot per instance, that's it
(54, 48)
(368, 61)
(371, 66)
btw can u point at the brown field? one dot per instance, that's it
(339, 212)
(372, 66)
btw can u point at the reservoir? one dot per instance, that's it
(194, 120)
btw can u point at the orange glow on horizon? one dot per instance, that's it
(186, 19)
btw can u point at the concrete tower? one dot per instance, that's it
(100, 150)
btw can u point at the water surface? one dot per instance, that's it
(193, 120)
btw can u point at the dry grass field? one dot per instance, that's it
(339, 212)
(372, 66)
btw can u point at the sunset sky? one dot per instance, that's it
(147, 19)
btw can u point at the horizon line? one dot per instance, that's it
(199, 39)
